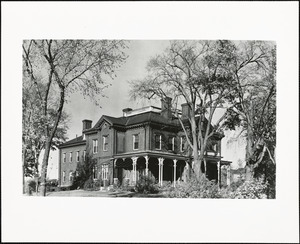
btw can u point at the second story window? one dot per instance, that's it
(64, 157)
(182, 143)
(84, 155)
(158, 142)
(105, 143)
(171, 143)
(135, 142)
(70, 157)
(95, 146)
(77, 156)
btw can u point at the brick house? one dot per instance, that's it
(145, 141)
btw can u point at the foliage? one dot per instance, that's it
(33, 133)
(256, 189)
(146, 184)
(56, 68)
(83, 177)
(91, 185)
(195, 72)
(32, 184)
(202, 188)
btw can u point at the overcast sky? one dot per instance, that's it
(81, 108)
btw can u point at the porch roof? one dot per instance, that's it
(151, 153)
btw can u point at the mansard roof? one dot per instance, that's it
(137, 119)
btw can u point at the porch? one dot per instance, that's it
(163, 167)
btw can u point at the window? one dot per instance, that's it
(70, 176)
(95, 146)
(95, 172)
(104, 172)
(171, 143)
(84, 155)
(158, 142)
(135, 142)
(70, 157)
(105, 143)
(77, 156)
(182, 143)
(64, 157)
(64, 176)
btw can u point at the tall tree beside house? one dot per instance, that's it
(254, 102)
(196, 72)
(33, 136)
(57, 68)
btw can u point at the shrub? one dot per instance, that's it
(91, 185)
(255, 189)
(193, 189)
(209, 189)
(146, 184)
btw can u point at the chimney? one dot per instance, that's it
(185, 111)
(166, 107)
(126, 110)
(86, 124)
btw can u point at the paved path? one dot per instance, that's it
(82, 193)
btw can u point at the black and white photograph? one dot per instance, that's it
(211, 133)
(177, 121)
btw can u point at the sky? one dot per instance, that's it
(117, 98)
(80, 108)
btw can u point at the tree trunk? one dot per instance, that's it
(197, 160)
(48, 144)
(249, 153)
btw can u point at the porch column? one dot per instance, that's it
(204, 161)
(175, 161)
(147, 161)
(228, 175)
(134, 159)
(161, 168)
(219, 171)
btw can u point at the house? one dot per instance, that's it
(144, 141)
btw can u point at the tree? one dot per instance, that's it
(197, 73)
(33, 136)
(254, 101)
(57, 68)
(84, 172)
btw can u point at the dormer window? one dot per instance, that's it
(135, 141)
(158, 142)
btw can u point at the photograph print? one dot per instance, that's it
(149, 118)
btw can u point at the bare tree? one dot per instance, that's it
(60, 67)
(254, 100)
(196, 72)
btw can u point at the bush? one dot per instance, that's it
(91, 185)
(146, 184)
(31, 185)
(204, 188)
(194, 189)
(255, 189)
